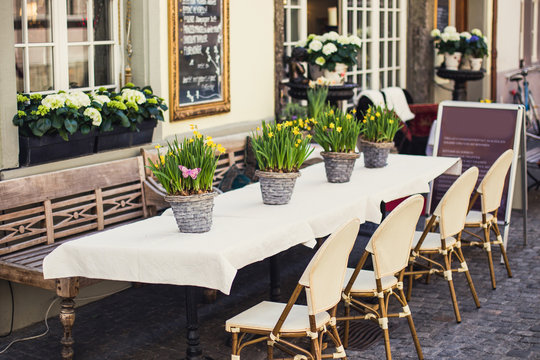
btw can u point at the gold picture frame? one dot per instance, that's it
(219, 101)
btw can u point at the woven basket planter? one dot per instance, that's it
(276, 188)
(375, 154)
(339, 166)
(193, 213)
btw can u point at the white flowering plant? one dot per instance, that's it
(331, 48)
(62, 113)
(449, 41)
(475, 44)
(65, 113)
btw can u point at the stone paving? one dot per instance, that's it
(148, 322)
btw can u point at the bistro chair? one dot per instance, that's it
(275, 322)
(490, 191)
(389, 247)
(450, 213)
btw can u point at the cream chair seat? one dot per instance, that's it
(365, 281)
(265, 315)
(475, 218)
(432, 242)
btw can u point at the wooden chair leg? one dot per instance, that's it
(448, 277)
(383, 322)
(234, 345)
(503, 250)
(347, 326)
(430, 265)
(270, 353)
(469, 279)
(336, 340)
(487, 248)
(413, 329)
(411, 279)
(67, 289)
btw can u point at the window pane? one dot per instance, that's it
(368, 81)
(19, 68)
(381, 54)
(382, 84)
(17, 20)
(350, 22)
(295, 13)
(41, 69)
(102, 15)
(359, 28)
(398, 80)
(390, 32)
(294, 2)
(38, 13)
(398, 63)
(368, 55)
(390, 61)
(103, 65)
(368, 24)
(77, 18)
(381, 24)
(78, 66)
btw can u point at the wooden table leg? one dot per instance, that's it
(194, 350)
(275, 279)
(67, 289)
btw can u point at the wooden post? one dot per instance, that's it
(67, 289)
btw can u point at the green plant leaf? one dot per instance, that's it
(71, 125)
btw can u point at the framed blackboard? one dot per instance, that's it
(478, 133)
(198, 57)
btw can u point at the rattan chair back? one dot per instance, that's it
(324, 276)
(453, 208)
(391, 243)
(491, 187)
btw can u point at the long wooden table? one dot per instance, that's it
(244, 231)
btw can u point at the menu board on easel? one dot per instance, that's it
(477, 133)
(199, 57)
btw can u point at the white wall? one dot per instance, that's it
(508, 28)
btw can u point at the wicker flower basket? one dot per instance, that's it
(193, 213)
(339, 166)
(375, 154)
(276, 188)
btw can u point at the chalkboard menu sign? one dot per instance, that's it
(478, 134)
(199, 57)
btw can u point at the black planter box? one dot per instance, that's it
(34, 150)
(123, 137)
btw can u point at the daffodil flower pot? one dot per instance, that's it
(375, 154)
(276, 187)
(339, 165)
(452, 61)
(193, 213)
(37, 150)
(337, 76)
(121, 137)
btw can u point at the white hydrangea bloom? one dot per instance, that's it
(319, 38)
(343, 40)
(102, 99)
(78, 99)
(465, 35)
(355, 40)
(454, 37)
(435, 33)
(54, 101)
(450, 30)
(332, 35)
(320, 61)
(315, 45)
(93, 114)
(302, 43)
(485, 39)
(445, 36)
(329, 48)
(476, 32)
(135, 96)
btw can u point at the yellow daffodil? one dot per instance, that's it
(364, 121)
(353, 111)
(193, 126)
(308, 137)
(270, 134)
(191, 140)
(199, 136)
(331, 126)
(378, 114)
(209, 143)
(348, 116)
(162, 158)
(308, 128)
(390, 121)
(295, 145)
(324, 128)
(157, 146)
(278, 127)
(368, 110)
(296, 131)
(208, 138)
(221, 149)
(298, 141)
(372, 117)
(338, 129)
(170, 153)
(258, 128)
(331, 112)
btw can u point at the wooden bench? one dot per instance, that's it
(235, 146)
(40, 212)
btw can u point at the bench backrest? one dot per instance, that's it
(235, 146)
(42, 208)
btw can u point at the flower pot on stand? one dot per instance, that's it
(476, 63)
(193, 213)
(339, 166)
(452, 61)
(338, 75)
(375, 154)
(276, 188)
(315, 71)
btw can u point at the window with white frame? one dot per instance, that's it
(295, 23)
(66, 44)
(381, 25)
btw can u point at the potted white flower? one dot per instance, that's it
(330, 54)
(449, 44)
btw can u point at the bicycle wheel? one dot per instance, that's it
(534, 121)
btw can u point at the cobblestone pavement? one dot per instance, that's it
(148, 322)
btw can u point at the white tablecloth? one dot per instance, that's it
(244, 229)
